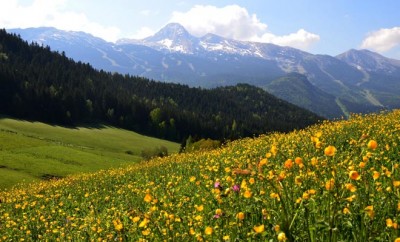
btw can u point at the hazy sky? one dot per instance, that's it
(318, 26)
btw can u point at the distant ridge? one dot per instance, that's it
(55, 89)
(359, 80)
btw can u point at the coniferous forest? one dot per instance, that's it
(38, 84)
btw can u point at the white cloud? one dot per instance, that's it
(301, 39)
(382, 40)
(235, 22)
(51, 13)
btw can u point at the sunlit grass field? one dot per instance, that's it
(32, 151)
(336, 181)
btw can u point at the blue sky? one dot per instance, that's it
(317, 26)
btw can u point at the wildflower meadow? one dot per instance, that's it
(334, 181)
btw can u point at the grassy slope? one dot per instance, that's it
(31, 150)
(270, 188)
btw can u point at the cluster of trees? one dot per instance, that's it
(38, 84)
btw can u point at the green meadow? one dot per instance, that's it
(32, 151)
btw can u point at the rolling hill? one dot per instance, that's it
(32, 151)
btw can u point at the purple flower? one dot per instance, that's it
(236, 188)
(216, 216)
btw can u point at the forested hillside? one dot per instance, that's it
(38, 84)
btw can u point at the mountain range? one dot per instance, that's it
(331, 86)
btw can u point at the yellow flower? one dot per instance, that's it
(274, 195)
(259, 229)
(354, 175)
(208, 231)
(263, 162)
(372, 144)
(282, 236)
(396, 183)
(146, 232)
(314, 161)
(298, 161)
(288, 163)
(389, 223)
(397, 239)
(118, 225)
(247, 194)
(226, 237)
(346, 211)
(376, 175)
(192, 179)
(199, 208)
(298, 180)
(351, 198)
(370, 211)
(148, 198)
(218, 211)
(240, 216)
(330, 184)
(330, 150)
(350, 187)
(274, 150)
(144, 223)
(251, 180)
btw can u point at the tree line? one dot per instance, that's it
(39, 84)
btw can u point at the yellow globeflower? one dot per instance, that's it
(389, 223)
(263, 162)
(298, 180)
(282, 236)
(146, 232)
(251, 180)
(354, 175)
(274, 150)
(370, 211)
(208, 231)
(350, 187)
(148, 198)
(372, 144)
(288, 163)
(118, 225)
(330, 184)
(330, 150)
(247, 194)
(259, 229)
(240, 216)
(199, 208)
(376, 175)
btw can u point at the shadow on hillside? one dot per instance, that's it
(91, 125)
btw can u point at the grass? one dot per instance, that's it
(31, 151)
(336, 181)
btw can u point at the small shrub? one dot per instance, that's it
(150, 153)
